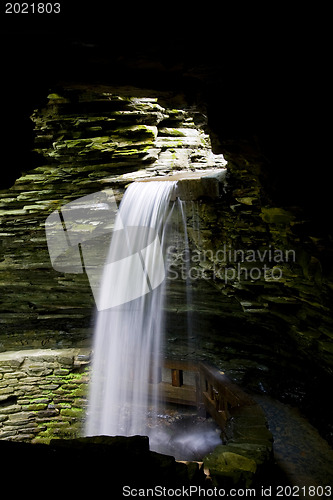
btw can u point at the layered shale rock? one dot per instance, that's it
(88, 139)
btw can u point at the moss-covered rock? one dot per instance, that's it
(228, 468)
(35, 408)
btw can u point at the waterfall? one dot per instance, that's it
(128, 335)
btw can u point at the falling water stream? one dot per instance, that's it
(129, 335)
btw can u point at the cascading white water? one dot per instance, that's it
(128, 335)
(130, 325)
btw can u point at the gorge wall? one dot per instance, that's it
(270, 330)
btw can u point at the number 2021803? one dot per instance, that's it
(32, 8)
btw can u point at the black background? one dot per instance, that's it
(264, 74)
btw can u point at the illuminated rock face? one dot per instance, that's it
(195, 185)
(87, 139)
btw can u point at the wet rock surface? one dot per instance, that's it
(87, 139)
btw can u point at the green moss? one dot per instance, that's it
(137, 131)
(56, 97)
(71, 391)
(36, 404)
(226, 465)
(75, 375)
(61, 372)
(42, 440)
(276, 215)
(132, 152)
(64, 405)
(34, 407)
(53, 430)
(171, 132)
(72, 412)
(79, 391)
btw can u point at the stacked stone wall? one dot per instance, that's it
(43, 394)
